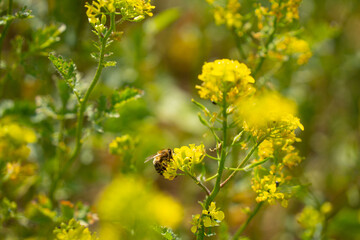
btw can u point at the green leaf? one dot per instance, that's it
(201, 107)
(203, 121)
(109, 64)
(67, 69)
(125, 95)
(167, 233)
(22, 14)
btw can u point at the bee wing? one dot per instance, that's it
(150, 157)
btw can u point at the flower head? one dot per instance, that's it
(73, 230)
(211, 218)
(227, 77)
(122, 144)
(270, 114)
(130, 10)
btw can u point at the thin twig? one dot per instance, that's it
(248, 220)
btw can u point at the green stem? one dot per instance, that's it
(248, 220)
(82, 107)
(269, 40)
(216, 189)
(244, 161)
(7, 25)
(200, 184)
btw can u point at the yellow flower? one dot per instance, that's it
(299, 48)
(171, 170)
(311, 219)
(266, 149)
(12, 170)
(210, 217)
(130, 10)
(266, 187)
(122, 144)
(130, 203)
(225, 77)
(270, 114)
(187, 156)
(73, 231)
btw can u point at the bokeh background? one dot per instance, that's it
(163, 56)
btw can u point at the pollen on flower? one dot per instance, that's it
(225, 77)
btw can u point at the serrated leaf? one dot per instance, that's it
(166, 233)
(67, 69)
(109, 64)
(22, 14)
(125, 95)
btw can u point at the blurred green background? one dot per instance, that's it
(163, 56)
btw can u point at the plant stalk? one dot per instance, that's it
(82, 107)
(248, 220)
(216, 189)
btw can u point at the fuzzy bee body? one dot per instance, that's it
(161, 160)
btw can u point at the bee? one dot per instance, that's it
(161, 160)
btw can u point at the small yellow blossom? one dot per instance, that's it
(290, 45)
(122, 144)
(266, 187)
(269, 114)
(73, 231)
(130, 10)
(225, 77)
(266, 149)
(228, 15)
(184, 158)
(187, 156)
(12, 170)
(311, 219)
(211, 218)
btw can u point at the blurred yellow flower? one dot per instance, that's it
(122, 144)
(290, 45)
(129, 203)
(73, 231)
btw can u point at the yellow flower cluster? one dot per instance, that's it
(184, 159)
(228, 15)
(266, 187)
(285, 11)
(130, 10)
(211, 218)
(128, 203)
(73, 231)
(268, 114)
(122, 144)
(227, 77)
(14, 150)
(310, 218)
(293, 46)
